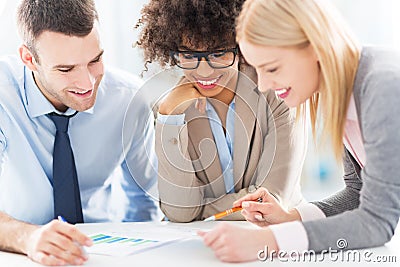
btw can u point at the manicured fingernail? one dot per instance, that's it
(259, 217)
(245, 204)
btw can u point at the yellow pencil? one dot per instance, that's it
(222, 214)
(226, 212)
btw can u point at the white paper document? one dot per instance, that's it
(126, 240)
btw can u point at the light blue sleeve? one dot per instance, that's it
(2, 142)
(139, 179)
(3, 145)
(177, 120)
(142, 205)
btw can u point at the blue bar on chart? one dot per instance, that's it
(108, 239)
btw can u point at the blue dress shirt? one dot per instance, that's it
(113, 145)
(224, 142)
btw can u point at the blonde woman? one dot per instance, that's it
(304, 53)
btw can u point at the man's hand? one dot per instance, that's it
(57, 243)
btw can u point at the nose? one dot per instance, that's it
(86, 79)
(204, 70)
(264, 83)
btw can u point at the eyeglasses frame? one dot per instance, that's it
(204, 54)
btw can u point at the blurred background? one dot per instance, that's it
(374, 22)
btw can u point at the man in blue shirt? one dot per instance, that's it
(111, 135)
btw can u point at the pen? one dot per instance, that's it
(226, 212)
(61, 218)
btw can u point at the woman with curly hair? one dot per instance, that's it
(304, 52)
(217, 137)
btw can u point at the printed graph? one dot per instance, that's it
(113, 244)
(109, 239)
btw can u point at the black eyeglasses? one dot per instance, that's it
(218, 59)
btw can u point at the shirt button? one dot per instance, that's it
(174, 141)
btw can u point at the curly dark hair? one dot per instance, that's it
(204, 23)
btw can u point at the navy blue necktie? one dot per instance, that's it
(67, 199)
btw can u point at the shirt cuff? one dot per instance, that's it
(310, 212)
(177, 120)
(290, 236)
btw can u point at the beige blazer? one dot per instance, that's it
(268, 151)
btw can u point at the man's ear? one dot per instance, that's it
(27, 57)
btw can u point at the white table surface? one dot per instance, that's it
(193, 252)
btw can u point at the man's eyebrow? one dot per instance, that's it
(66, 66)
(63, 66)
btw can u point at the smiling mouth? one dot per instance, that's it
(85, 93)
(283, 92)
(208, 82)
(80, 92)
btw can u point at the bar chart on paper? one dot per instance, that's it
(123, 239)
(112, 245)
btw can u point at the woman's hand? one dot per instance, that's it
(180, 98)
(236, 244)
(268, 212)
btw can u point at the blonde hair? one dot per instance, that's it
(296, 23)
